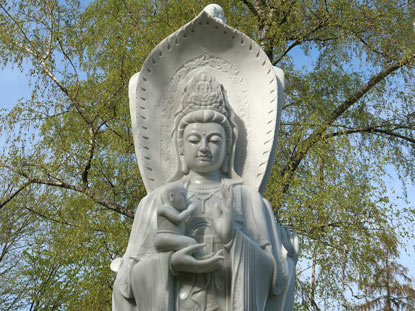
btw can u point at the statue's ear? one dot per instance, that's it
(225, 165)
(171, 197)
(183, 164)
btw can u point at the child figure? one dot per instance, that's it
(171, 218)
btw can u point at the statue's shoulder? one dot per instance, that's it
(248, 191)
(151, 198)
(246, 188)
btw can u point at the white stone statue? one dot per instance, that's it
(205, 114)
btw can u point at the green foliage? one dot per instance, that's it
(69, 181)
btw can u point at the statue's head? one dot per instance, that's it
(174, 195)
(205, 132)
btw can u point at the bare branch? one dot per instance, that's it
(65, 90)
(304, 38)
(264, 22)
(130, 13)
(297, 156)
(253, 8)
(23, 33)
(364, 89)
(32, 51)
(371, 48)
(106, 123)
(40, 181)
(112, 206)
(370, 129)
(55, 183)
(91, 150)
(9, 241)
(288, 49)
(14, 194)
(68, 59)
(51, 30)
(63, 222)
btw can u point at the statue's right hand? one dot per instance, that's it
(290, 241)
(183, 261)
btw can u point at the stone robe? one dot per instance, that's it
(261, 274)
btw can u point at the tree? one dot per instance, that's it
(388, 292)
(390, 287)
(69, 175)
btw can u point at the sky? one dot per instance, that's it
(13, 86)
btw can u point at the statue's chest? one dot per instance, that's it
(204, 292)
(207, 200)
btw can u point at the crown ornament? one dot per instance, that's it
(204, 92)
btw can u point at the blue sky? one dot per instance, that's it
(13, 85)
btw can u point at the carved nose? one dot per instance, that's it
(203, 146)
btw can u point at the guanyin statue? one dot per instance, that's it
(205, 114)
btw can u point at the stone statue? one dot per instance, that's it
(205, 114)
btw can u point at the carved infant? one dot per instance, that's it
(171, 218)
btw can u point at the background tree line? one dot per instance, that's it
(69, 179)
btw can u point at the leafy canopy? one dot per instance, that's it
(70, 182)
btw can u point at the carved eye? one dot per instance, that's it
(194, 139)
(215, 139)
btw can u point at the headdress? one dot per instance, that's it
(202, 92)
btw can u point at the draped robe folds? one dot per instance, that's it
(262, 276)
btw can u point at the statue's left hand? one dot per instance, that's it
(182, 260)
(223, 224)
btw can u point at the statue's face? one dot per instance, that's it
(204, 146)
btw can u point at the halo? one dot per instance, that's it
(253, 88)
